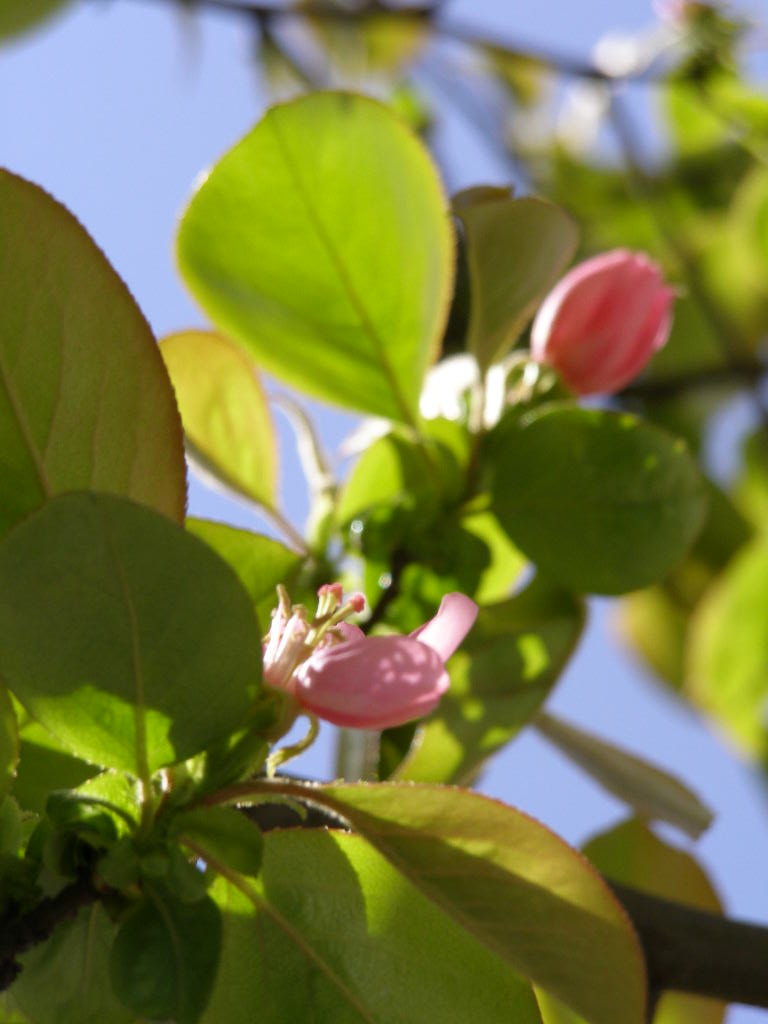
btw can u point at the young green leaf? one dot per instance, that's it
(516, 250)
(85, 400)
(226, 420)
(223, 832)
(653, 793)
(322, 243)
(601, 502)
(152, 650)
(503, 673)
(165, 956)
(332, 933)
(727, 663)
(509, 882)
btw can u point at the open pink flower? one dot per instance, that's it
(372, 682)
(603, 321)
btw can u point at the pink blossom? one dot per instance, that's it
(603, 321)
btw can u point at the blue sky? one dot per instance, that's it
(115, 108)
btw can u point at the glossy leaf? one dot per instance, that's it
(227, 424)
(260, 562)
(66, 979)
(727, 667)
(152, 650)
(321, 242)
(165, 955)
(332, 933)
(508, 881)
(85, 401)
(224, 832)
(653, 793)
(9, 742)
(603, 503)
(22, 15)
(632, 854)
(516, 250)
(499, 679)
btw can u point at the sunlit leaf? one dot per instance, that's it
(603, 503)
(516, 250)
(653, 793)
(9, 741)
(224, 832)
(499, 679)
(152, 649)
(332, 933)
(85, 401)
(509, 882)
(633, 855)
(727, 670)
(322, 243)
(227, 424)
(44, 764)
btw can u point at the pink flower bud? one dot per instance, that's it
(381, 681)
(603, 321)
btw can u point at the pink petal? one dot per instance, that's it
(385, 681)
(455, 617)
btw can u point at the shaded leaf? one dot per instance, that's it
(9, 741)
(516, 250)
(321, 242)
(603, 503)
(227, 424)
(653, 793)
(224, 832)
(332, 933)
(152, 648)
(85, 401)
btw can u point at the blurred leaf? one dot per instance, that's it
(499, 679)
(165, 956)
(751, 489)
(260, 562)
(152, 650)
(22, 15)
(633, 855)
(65, 980)
(727, 666)
(505, 879)
(10, 827)
(603, 503)
(85, 401)
(225, 833)
(655, 624)
(322, 243)
(226, 420)
(505, 562)
(334, 934)
(517, 249)
(9, 742)
(651, 792)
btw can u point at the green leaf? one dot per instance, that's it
(22, 15)
(85, 401)
(227, 424)
(152, 649)
(651, 792)
(44, 765)
(727, 664)
(508, 881)
(9, 742)
(503, 673)
(633, 855)
(505, 561)
(322, 243)
(516, 250)
(66, 979)
(260, 562)
(224, 832)
(602, 502)
(331, 933)
(165, 956)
